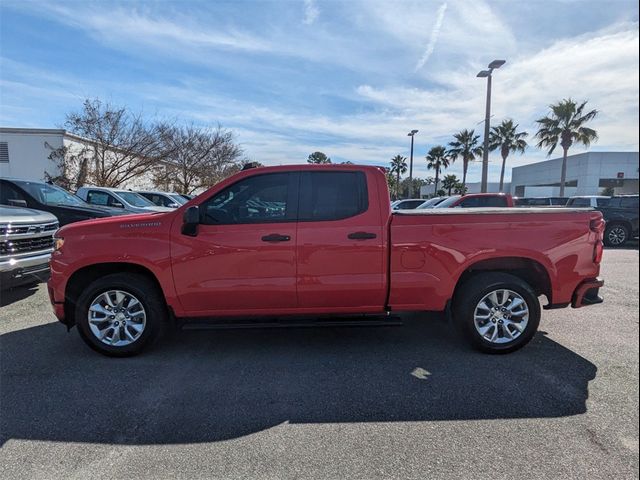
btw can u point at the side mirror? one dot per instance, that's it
(173, 205)
(17, 203)
(117, 205)
(190, 221)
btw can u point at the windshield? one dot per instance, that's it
(178, 198)
(432, 202)
(50, 194)
(134, 199)
(448, 202)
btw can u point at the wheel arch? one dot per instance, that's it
(86, 275)
(527, 269)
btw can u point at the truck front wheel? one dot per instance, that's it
(496, 312)
(120, 314)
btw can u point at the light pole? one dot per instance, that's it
(485, 150)
(411, 134)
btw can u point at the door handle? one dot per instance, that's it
(276, 237)
(361, 236)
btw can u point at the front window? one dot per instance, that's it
(258, 199)
(134, 199)
(50, 194)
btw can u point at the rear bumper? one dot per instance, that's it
(587, 293)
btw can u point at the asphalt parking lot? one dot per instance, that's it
(389, 402)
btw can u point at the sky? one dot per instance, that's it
(349, 78)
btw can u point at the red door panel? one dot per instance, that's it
(243, 258)
(336, 272)
(229, 268)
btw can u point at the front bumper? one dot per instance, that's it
(587, 293)
(20, 270)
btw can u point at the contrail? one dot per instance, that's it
(433, 39)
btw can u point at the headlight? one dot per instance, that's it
(58, 242)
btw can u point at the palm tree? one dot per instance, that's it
(449, 182)
(398, 166)
(467, 146)
(506, 138)
(566, 125)
(437, 159)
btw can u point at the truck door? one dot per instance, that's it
(242, 259)
(340, 242)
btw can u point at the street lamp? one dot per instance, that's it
(485, 150)
(411, 134)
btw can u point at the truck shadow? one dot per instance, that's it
(217, 385)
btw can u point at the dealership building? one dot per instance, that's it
(587, 174)
(29, 154)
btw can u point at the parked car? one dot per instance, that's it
(477, 200)
(327, 244)
(431, 203)
(126, 200)
(163, 199)
(540, 201)
(621, 214)
(587, 201)
(408, 204)
(46, 197)
(26, 243)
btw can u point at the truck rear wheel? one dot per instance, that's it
(616, 235)
(496, 312)
(120, 314)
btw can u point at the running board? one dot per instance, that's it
(292, 323)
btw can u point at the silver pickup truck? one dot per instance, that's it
(26, 243)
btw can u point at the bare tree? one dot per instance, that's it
(123, 146)
(196, 158)
(71, 166)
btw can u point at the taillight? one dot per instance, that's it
(597, 252)
(597, 225)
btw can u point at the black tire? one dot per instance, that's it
(469, 295)
(141, 287)
(616, 235)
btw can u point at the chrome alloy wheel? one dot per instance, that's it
(501, 316)
(116, 318)
(617, 236)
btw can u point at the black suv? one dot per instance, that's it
(621, 214)
(50, 198)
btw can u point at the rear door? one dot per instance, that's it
(340, 243)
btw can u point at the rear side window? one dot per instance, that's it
(480, 202)
(539, 202)
(326, 196)
(629, 202)
(9, 194)
(99, 198)
(603, 202)
(579, 202)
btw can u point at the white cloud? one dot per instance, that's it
(433, 39)
(311, 12)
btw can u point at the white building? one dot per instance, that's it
(427, 191)
(25, 153)
(587, 174)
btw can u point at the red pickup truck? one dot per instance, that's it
(292, 241)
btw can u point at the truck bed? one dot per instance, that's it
(431, 250)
